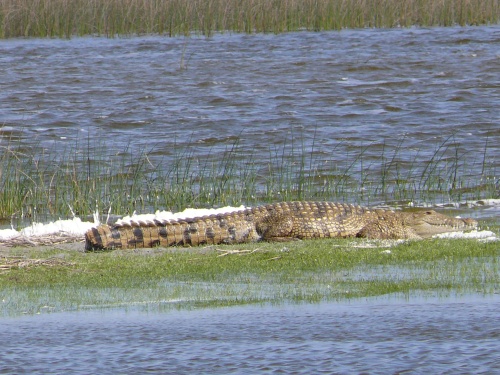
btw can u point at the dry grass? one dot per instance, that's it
(66, 18)
(10, 263)
(46, 240)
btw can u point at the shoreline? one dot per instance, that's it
(65, 278)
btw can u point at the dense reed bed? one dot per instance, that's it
(37, 183)
(66, 18)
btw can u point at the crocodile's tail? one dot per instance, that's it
(107, 237)
(211, 230)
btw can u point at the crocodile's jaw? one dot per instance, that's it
(429, 223)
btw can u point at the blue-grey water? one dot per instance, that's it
(458, 335)
(357, 100)
(362, 86)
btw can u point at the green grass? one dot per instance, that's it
(38, 184)
(66, 18)
(303, 271)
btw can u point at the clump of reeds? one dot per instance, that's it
(66, 18)
(36, 183)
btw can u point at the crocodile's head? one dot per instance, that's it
(428, 223)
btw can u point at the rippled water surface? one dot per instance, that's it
(363, 86)
(368, 102)
(367, 84)
(448, 336)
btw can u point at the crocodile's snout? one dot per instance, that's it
(429, 223)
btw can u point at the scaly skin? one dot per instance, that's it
(277, 222)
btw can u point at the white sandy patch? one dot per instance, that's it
(483, 235)
(74, 227)
(7, 234)
(188, 213)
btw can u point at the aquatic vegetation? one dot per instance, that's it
(40, 184)
(300, 271)
(66, 18)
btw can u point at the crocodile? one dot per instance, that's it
(284, 221)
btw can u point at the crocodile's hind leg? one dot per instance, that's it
(275, 227)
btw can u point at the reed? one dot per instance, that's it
(67, 18)
(38, 184)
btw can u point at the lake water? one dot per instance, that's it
(388, 335)
(400, 96)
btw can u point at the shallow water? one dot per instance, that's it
(455, 335)
(392, 96)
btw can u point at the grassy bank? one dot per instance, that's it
(308, 271)
(66, 18)
(38, 184)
